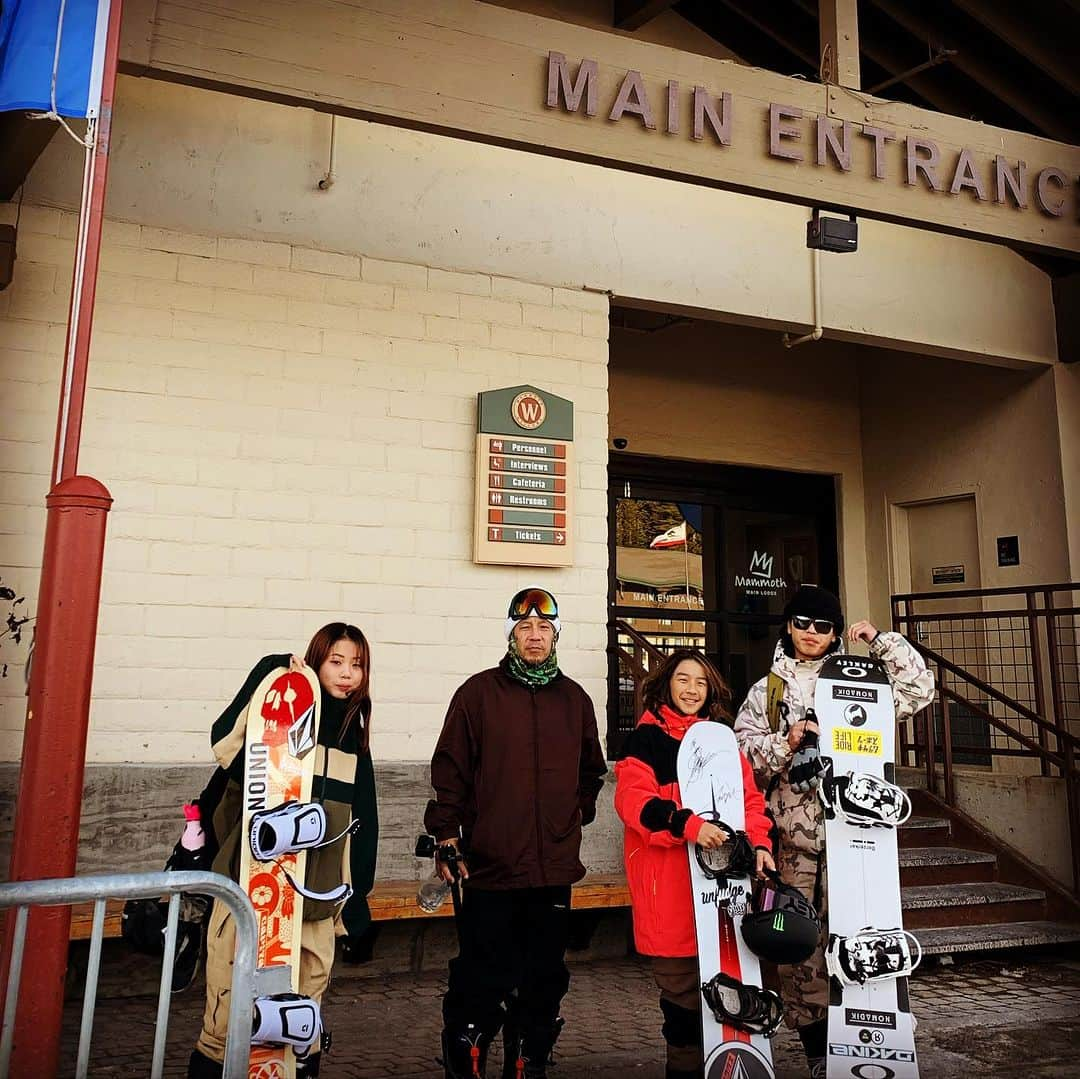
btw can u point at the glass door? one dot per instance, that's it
(700, 558)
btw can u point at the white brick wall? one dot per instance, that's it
(288, 435)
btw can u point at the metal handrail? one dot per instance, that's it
(63, 892)
(642, 647)
(995, 694)
(1051, 742)
(639, 639)
(968, 593)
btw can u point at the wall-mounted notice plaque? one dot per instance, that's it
(947, 574)
(524, 478)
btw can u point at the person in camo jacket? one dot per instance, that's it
(788, 769)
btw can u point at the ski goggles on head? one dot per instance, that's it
(533, 601)
(803, 623)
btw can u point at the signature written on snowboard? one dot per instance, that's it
(699, 762)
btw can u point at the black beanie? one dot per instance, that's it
(815, 602)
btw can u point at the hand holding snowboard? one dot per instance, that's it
(806, 765)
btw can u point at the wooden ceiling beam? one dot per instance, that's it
(895, 65)
(634, 14)
(838, 29)
(989, 76)
(785, 41)
(1038, 41)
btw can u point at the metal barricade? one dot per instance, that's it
(25, 894)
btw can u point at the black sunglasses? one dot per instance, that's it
(821, 625)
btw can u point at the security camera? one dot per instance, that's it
(619, 443)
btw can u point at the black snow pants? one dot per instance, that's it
(512, 941)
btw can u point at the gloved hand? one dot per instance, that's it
(806, 766)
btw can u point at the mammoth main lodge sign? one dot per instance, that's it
(789, 133)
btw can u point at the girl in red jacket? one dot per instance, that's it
(685, 689)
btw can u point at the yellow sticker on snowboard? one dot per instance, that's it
(850, 740)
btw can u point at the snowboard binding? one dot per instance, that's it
(872, 955)
(745, 1007)
(863, 800)
(735, 858)
(290, 828)
(293, 827)
(287, 1019)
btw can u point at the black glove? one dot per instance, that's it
(806, 764)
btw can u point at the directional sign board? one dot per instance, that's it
(524, 478)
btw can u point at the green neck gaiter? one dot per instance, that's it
(532, 677)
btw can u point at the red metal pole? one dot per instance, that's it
(49, 803)
(47, 809)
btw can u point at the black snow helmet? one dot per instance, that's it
(780, 925)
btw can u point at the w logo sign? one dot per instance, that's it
(761, 564)
(528, 410)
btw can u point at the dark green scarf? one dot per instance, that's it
(532, 677)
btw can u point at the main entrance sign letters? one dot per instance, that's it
(803, 138)
(524, 478)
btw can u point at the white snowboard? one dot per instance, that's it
(710, 783)
(871, 1032)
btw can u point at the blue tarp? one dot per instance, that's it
(28, 34)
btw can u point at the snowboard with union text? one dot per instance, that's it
(282, 733)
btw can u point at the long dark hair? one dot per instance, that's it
(657, 688)
(359, 701)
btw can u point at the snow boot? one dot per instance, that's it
(537, 1049)
(814, 1037)
(202, 1067)
(308, 1067)
(465, 1052)
(513, 1062)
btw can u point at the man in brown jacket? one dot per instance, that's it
(516, 772)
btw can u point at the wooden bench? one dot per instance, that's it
(391, 900)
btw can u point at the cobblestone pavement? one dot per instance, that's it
(1019, 1017)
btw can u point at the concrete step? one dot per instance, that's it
(944, 865)
(978, 903)
(924, 832)
(911, 778)
(996, 937)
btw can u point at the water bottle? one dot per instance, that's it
(432, 894)
(193, 837)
